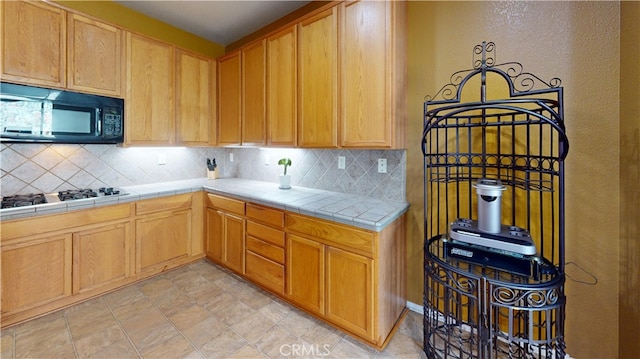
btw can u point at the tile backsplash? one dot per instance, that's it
(34, 168)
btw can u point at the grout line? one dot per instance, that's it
(73, 342)
(122, 328)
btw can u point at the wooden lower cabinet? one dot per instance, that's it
(48, 265)
(101, 256)
(225, 239)
(162, 238)
(226, 232)
(35, 272)
(234, 242)
(349, 291)
(333, 283)
(305, 273)
(167, 231)
(215, 235)
(352, 278)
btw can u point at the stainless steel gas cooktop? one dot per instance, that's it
(31, 199)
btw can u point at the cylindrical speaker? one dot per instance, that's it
(489, 204)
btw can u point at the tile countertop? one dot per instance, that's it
(355, 210)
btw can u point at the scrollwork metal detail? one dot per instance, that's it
(484, 59)
(533, 298)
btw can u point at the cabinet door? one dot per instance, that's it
(234, 243)
(193, 94)
(305, 273)
(33, 43)
(215, 235)
(213, 104)
(95, 56)
(229, 99)
(101, 256)
(253, 94)
(35, 272)
(350, 291)
(372, 76)
(282, 88)
(162, 237)
(317, 76)
(149, 110)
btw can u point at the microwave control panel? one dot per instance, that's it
(111, 122)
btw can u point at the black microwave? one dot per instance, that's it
(41, 115)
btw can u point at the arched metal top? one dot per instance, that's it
(528, 94)
(520, 83)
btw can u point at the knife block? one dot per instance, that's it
(212, 174)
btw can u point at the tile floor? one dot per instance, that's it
(196, 311)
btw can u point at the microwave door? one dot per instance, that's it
(76, 121)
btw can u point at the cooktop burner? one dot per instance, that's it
(76, 194)
(21, 200)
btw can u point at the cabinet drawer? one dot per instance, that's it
(265, 233)
(265, 215)
(226, 204)
(341, 236)
(265, 272)
(265, 249)
(164, 204)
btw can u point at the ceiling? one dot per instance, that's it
(222, 22)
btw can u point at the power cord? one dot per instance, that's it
(594, 280)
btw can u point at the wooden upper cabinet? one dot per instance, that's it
(253, 94)
(282, 88)
(373, 80)
(193, 97)
(229, 99)
(318, 80)
(149, 118)
(33, 43)
(95, 57)
(213, 103)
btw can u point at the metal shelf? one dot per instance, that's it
(512, 129)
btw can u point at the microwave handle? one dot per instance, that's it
(99, 121)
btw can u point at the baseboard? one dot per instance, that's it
(418, 308)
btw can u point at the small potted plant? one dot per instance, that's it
(285, 179)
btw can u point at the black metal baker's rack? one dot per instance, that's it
(494, 121)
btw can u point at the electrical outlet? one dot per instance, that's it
(266, 159)
(162, 159)
(382, 165)
(341, 162)
(231, 157)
